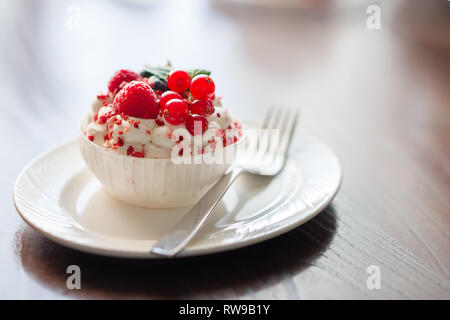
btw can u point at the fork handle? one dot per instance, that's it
(176, 239)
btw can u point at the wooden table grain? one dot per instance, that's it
(379, 97)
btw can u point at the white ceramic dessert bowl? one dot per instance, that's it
(151, 183)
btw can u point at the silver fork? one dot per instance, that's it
(267, 158)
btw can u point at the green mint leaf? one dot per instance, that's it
(160, 72)
(195, 72)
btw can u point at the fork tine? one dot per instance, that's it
(267, 118)
(271, 147)
(271, 118)
(263, 140)
(288, 132)
(277, 123)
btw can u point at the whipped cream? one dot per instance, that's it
(153, 138)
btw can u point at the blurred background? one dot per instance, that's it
(371, 78)
(329, 58)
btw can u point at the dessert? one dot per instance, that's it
(133, 133)
(139, 114)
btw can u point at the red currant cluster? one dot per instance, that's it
(178, 96)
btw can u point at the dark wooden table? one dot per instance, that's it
(379, 98)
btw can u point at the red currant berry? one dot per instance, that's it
(202, 87)
(202, 107)
(167, 96)
(175, 111)
(178, 80)
(196, 124)
(136, 99)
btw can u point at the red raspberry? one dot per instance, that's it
(137, 99)
(121, 76)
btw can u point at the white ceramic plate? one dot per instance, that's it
(58, 196)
